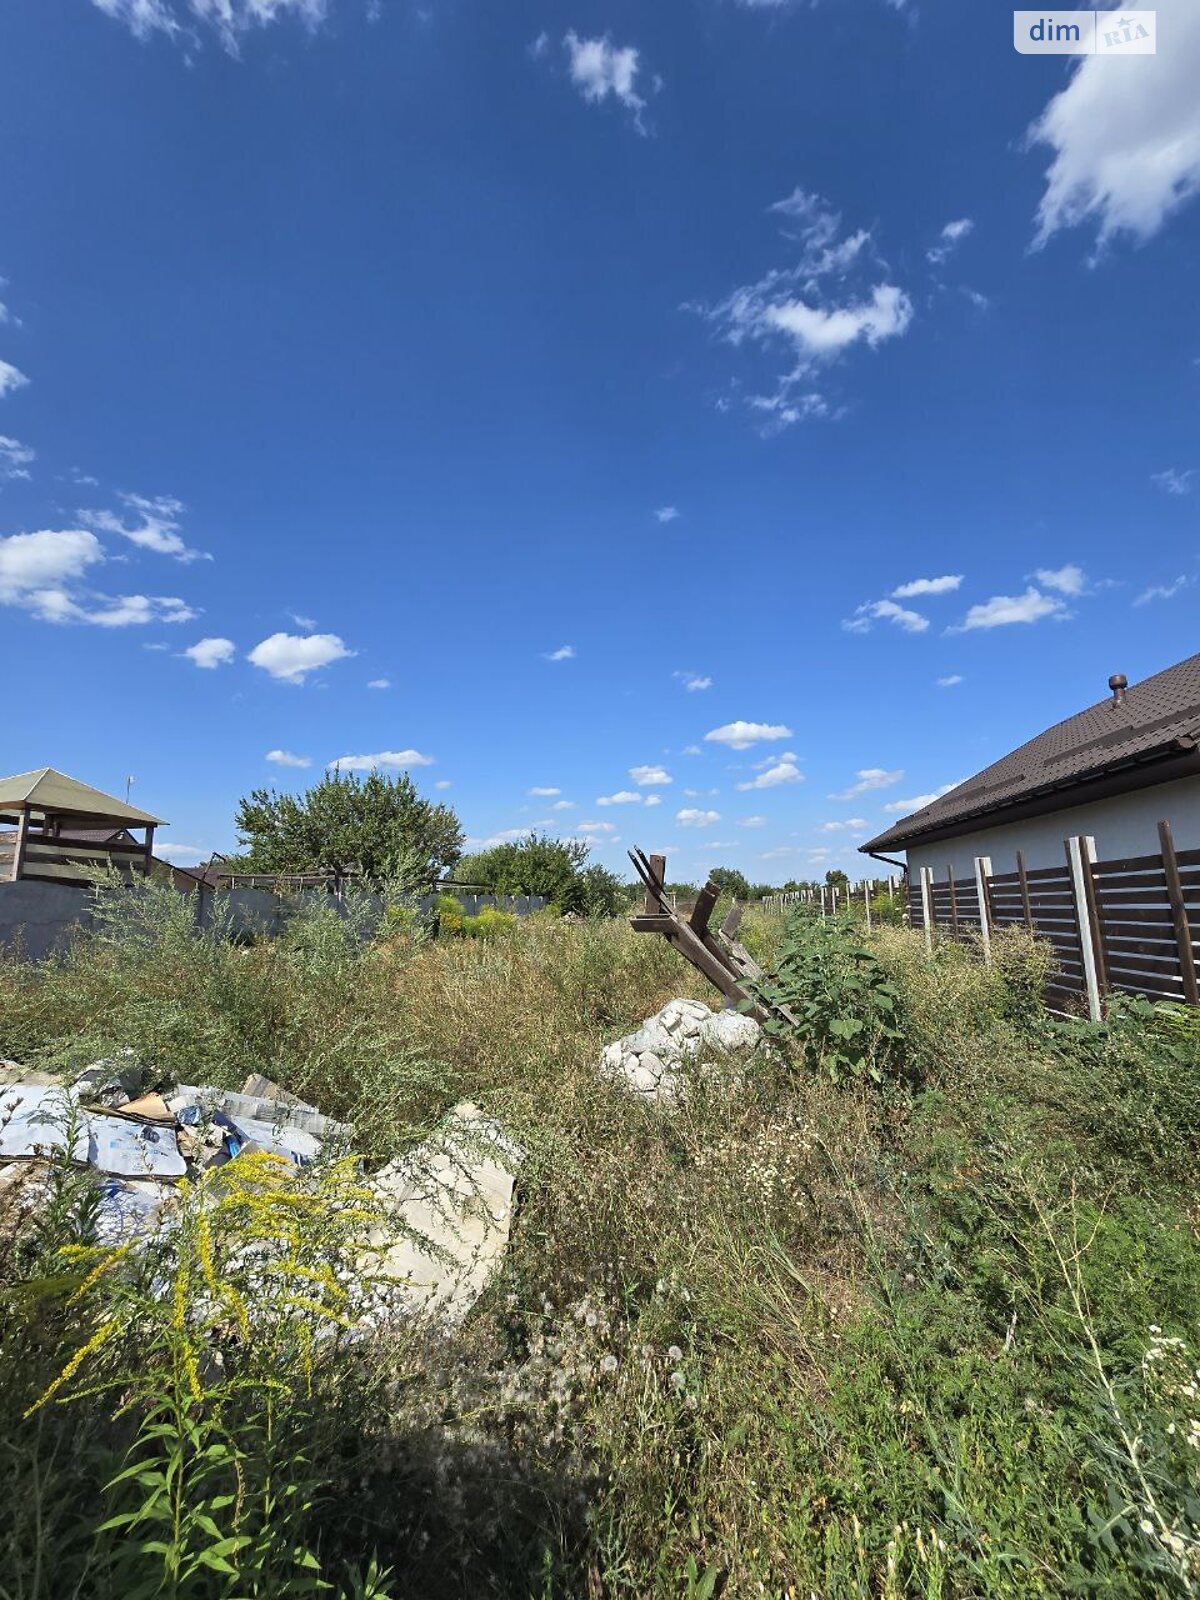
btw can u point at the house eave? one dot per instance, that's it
(1181, 760)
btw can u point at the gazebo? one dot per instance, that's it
(53, 827)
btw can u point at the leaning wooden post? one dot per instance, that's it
(1183, 934)
(983, 871)
(927, 906)
(658, 870)
(1079, 863)
(1023, 877)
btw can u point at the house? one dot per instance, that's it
(1112, 772)
(1089, 836)
(55, 828)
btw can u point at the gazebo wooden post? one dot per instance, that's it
(148, 858)
(19, 844)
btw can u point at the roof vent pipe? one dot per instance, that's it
(1118, 683)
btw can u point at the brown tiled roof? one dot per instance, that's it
(1158, 717)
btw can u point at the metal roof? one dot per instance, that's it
(1156, 718)
(48, 790)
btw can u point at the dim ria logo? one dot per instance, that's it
(1084, 33)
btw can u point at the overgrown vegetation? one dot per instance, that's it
(924, 1330)
(555, 869)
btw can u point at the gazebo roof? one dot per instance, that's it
(51, 791)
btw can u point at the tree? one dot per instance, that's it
(835, 878)
(377, 825)
(538, 864)
(732, 882)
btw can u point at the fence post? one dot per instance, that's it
(1183, 934)
(1024, 880)
(983, 871)
(953, 899)
(1079, 860)
(867, 902)
(927, 906)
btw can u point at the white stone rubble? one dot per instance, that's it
(648, 1061)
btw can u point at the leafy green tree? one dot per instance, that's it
(378, 825)
(835, 878)
(732, 882)
(539, 865)
(603, 892)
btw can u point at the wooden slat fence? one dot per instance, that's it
(1131, 924)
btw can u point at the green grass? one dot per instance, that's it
(811, 1335)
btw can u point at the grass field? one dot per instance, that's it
(927, 1328)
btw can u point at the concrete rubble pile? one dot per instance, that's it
(448, 1203)
(651, 1062)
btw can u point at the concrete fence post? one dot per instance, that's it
(927, 906)
(1081, 852)
(983, 871)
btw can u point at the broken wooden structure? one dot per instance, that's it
(726, 963)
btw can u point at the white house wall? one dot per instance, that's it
(1125, 825)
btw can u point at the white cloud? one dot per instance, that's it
(1170, 481)
(951, 235)
(1125, 144)
(229, 19)
(667, 513)
(42, 572)
(753, 822)
(540, 792)
(1162, 591)
(108, 611)
(565, 652)
(379, 683)
(949, 680)
(596, 827)
(180, 855)
(443, 783)
(812, 308)
(563, 805)
(918, 586)
(919, 801)
(211, 653)
(650, 776)
(308, 624)
(692, 681)
(156, 526)
(285, 758)
(599, 68)
(10, 379)
(741, 735)
(885, 611)
(1065, 580)
(783, 771)
(691, 817)
(623, 797)
(46, 559)
(869, 778)
(822, 332)
(653, 800)
(851, 825)
(691, 750)
(1003, 609)
(399, 760)
(15, 458)
(291, 657)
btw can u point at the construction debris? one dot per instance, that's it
(651, 1060)
(448, 1202)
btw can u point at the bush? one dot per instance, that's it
(846, 1010)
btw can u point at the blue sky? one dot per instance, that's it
(794, 402)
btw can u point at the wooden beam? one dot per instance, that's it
(1179, 915)
(732, 922)
(703, 909)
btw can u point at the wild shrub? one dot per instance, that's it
(847, 1011)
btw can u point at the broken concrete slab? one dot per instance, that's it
(651, 1061)
(449, 1207)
